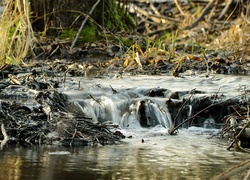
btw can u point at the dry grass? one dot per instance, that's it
(236, 38)
(17, 37)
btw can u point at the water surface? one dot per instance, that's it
(190, 155)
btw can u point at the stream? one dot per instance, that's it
(138, 105)
(190, 155)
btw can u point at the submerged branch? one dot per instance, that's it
(234, 170)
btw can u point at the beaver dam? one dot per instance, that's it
(82, 111)
(126, 111)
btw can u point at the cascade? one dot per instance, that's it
(133, 107)
(127, 108)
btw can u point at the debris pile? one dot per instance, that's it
(49, 122)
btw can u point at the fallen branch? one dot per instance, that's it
(82, 25)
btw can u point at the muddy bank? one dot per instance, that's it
(97, 60)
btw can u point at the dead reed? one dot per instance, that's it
(17, 36)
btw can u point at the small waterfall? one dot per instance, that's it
(130, 118)
(109, 110)
(145, 107)
(151, 114)
(190, 113)
(128, 108)
(100, 111)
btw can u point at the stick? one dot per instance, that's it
(114, 91)
(233, 170)
(171, 132)
(82, 25)
(182, 106)
(205, 11)
(224, 11)
(5, 136)
(178, 7)
(74, 135)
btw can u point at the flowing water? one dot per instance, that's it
(151, 153)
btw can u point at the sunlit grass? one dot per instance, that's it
(17, 37)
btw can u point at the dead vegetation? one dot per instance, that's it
(17, 36)
(52, 121)
(183, 32)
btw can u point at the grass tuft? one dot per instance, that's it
(17, 36)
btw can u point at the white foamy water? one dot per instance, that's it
(228, 85)
(126, 101)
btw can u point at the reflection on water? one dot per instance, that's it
(190, 155)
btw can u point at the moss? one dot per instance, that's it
(88, 34)
(114, 16)
(127, 42)
(68, 34)
(122, 20)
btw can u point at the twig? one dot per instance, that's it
(206, 61)
(204, 13)
(224, 11)
(113, 90)
(154, 9)
(247, 176)
(82, 25)
(183, 106)
(5, 136)
(79, 85)
(236, 139)
(235, 169)
(178, 7)
(98, 101)
(223, 132)
(171, 132)
(74, 135)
